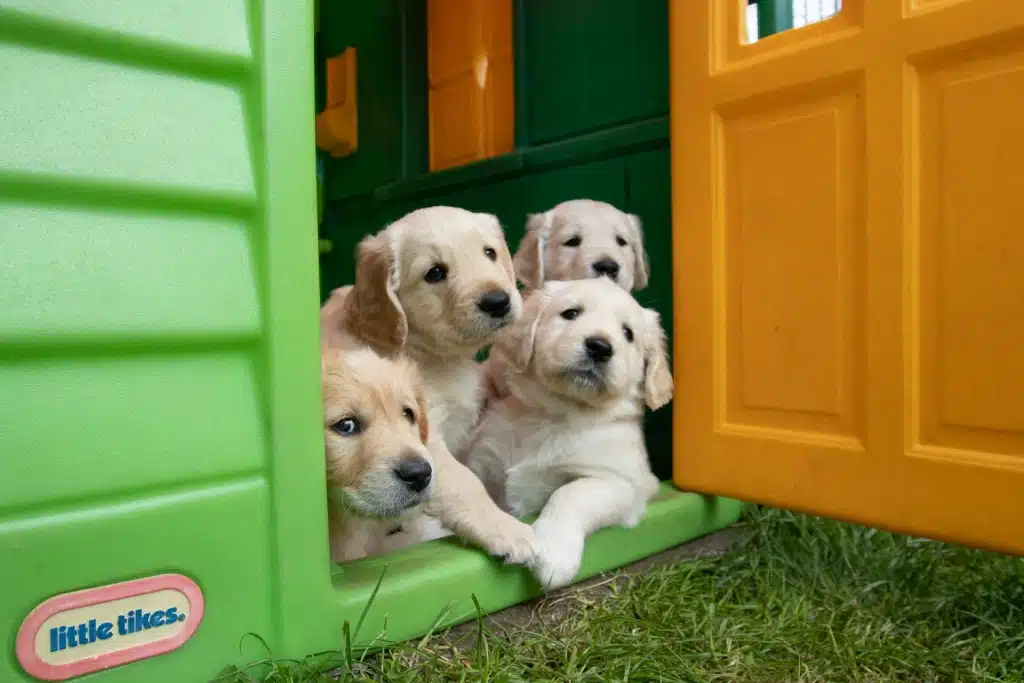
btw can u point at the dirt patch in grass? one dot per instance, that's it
(552, 609)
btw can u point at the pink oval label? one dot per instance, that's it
(98, 628)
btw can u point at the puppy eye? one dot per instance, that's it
(490, 253)
(437, 273)
(628, 331)
(409, 415)
(574, 241)
(347, 426)
(620, 241)
(571, 313)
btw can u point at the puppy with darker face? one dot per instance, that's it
(436, 286)
(579, 239)
(567, 441)
(379, 470)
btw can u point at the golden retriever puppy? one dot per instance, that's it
(379, 470)
(567, 442)
(436, 286)
(580, 239)
(576, 240)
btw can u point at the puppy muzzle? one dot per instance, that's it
(586, 375)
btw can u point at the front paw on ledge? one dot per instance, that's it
(516, 543)
(559, 555)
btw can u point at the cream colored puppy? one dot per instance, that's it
(379, 471)
(568, 442)
(436, 286)
(576, 240)
(579, 239)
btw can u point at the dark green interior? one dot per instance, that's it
(591, 121)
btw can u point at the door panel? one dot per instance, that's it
(848, 289)
(583, 75)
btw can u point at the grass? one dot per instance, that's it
(799, 599)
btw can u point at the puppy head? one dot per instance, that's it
(375, 433)
(580, 239)
(590, 341)
(440, 279)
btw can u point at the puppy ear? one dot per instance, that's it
(642, 269)
(658, 384)
(529, 258)
(515, 342)
(373, 312)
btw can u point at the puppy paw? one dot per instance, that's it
(513, 542)
(559, 555)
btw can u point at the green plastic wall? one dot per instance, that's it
(159, 389)
(591, 121)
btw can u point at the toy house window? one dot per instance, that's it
(767, 17)
(470, 80)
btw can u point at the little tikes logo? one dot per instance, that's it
(78, 633)
(135, 621)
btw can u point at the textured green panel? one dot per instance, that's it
(592, 63)
(650, 197)
(215, 535)
(94, 427)
(103, 273)
(74, 117)
(223, 28)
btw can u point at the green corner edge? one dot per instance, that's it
(431, 586)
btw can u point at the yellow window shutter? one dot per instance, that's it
(470, 77)
(337, 126)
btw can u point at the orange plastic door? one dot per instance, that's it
(848, 207)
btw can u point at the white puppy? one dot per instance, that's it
(580, 239)
(568, 442)
(436, 286)
(576, 240)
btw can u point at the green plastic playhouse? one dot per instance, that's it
(159, 385)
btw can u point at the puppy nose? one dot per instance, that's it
(414, 473)
(607, 266)
(599, 349)
(495, 304)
